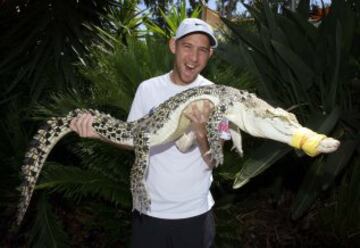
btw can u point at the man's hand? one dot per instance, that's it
(82, 125)
(198, 123)
(199, 118)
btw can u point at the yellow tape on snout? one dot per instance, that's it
(307, 140)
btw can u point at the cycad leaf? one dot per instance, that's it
(301, 70)
(47, 231)
(255, 13)
(249, 38)
(324, 123)
(77, 183)
(303, 8)
(304, 25)
(270, 17)
(321, 174)
(334, 83)
(309, 190)
(336, 162)
(265, 37)
(255, 61)
(262, 158)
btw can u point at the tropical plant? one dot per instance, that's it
(302, 68)
(341, 211)
(30, 59)
(158, 6)
(119, 22)
(90, 170)
(13, 142)
(172, 19)
(89, 179)
(40, 40)
(217, 70)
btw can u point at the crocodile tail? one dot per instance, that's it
(40, 147)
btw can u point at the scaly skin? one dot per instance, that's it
(167, 123)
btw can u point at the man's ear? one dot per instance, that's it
(211, 52)
(172, 45)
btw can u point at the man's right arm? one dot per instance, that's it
(82, 125)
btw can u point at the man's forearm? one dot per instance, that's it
(203, 144)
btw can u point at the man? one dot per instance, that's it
(178, 183)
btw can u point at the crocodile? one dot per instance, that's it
(169, 123)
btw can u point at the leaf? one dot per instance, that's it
(337, 161)
(324, 123)
(249, 38)
(334, 82)
(265, 36)
(308, 191)
(298, 67)
(261, 159)
(47, 231)
(270, 18)
(77, 183)
(303, 8)
(254, 63)
(321, 174)
(303, 26)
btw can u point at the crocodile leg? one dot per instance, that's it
(236, 139)
(215, 143)
(140, 195)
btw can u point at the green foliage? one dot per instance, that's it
(60, 103)
(117, 72)
(40, 41)
(304, 68)
(13, 142)
(293, 56)
(172, 19)
(220, 72)
(119, 23)
(91, 177)
(90, 169)
(341, 212)
(47, 230)
(77, 183)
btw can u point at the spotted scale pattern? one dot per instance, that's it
(214, 139)
(136, 134)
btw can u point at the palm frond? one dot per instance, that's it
(77, 183)
(41, 41)
(298, 64)
(106, 159)
(47, 231)
(172, 19)
(116, 73)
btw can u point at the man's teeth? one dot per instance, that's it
(190, 66)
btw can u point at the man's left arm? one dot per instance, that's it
(198, 121)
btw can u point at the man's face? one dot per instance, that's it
(191, 56)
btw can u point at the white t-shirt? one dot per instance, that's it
(178, 183)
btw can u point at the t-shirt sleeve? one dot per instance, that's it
(137, 109)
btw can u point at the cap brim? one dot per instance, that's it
(213, 40)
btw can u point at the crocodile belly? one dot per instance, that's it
(177, 123)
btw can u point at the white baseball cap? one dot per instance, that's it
(194, 25)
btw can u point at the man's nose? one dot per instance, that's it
(194, 55)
